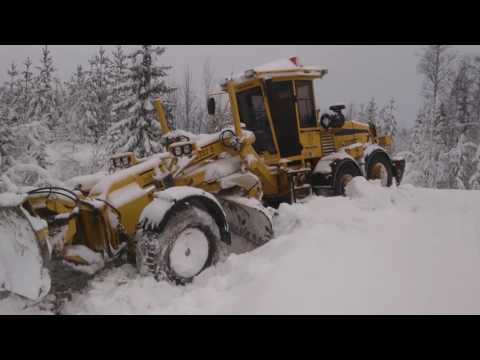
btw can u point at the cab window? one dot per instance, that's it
(306, 105)
(254, 116)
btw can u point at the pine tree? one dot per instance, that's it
(461, 131)
(462, 163)
(46, 101)
(25, 84)
(11, 96)
(119, 69)
(371, 115)
(99, 85)
(7, 140)
(474, 181)
(119, 64)
(419, 147)
(460, 96)
(139, 131)
(438, 163)
(388, 119)
(76, 107)
(475, 99)
(7, 143)
(12, 84)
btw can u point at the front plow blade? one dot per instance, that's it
(249, 219)
(22, 270)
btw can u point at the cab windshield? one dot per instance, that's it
(253, 115)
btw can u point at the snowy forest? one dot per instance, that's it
(105, 108)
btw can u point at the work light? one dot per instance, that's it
(187, 149)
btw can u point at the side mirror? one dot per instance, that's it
(211, 106)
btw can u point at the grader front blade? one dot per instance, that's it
(22, 265)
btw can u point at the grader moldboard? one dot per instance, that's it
(173, 213)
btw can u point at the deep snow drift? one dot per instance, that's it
(378, 251)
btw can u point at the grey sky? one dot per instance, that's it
(356, 72)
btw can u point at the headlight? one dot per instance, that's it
(187, 149)
(177, 151)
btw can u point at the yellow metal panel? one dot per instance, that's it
(310, 140)
(234, 108)
(162, 118)
(131, 213)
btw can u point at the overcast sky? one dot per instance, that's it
(356, 72)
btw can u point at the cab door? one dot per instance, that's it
(284, 117)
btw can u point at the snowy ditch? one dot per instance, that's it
(378, 251)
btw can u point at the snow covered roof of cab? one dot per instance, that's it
(282, 67)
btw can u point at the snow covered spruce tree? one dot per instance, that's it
(7, 139)
(462, 137)
(46, 101)
(139, 131)
(119, 70)
(77, 105)
(99, 86)
(11, 95)
(25, 85)
(368, 113)
(9, 119)
(387, 117)
(371, 113)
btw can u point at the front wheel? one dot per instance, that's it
(345, 173)
(379, 168)
(188, 243)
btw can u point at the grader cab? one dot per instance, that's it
(300, 150)
(173, 214)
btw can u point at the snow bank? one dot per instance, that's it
(95, 260)
(10, 199)
(378, 251)
(21, 264)
(15, 305)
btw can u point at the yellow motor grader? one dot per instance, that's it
(173, 213)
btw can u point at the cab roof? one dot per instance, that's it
(280, 68)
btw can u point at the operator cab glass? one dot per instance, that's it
(284, 116)
(306, 104)
(254, 116)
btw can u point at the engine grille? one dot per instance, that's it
(328, 143)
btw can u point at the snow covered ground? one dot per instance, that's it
(378, 251)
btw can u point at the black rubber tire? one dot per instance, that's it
(347, 168)
(153, 246)
(379, 158)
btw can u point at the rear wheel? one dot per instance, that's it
(345, 172)
(380, 168)
(188, 243)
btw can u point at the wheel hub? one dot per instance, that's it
(189, 253)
